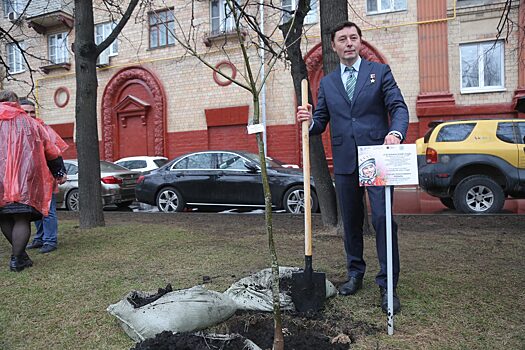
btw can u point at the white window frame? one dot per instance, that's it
(225, 22)
(58, 52)
(17, 6)
(291, 5)
(102, 31)
(482, 47)
(393, 7)
(15, 59)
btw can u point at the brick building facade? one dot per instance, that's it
(154, 99)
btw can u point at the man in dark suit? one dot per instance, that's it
(365, 106)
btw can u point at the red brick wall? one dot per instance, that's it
(232, 137)
(284, 142)
(412, 133)
(179, 143)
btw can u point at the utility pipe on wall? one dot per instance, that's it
(263, 87)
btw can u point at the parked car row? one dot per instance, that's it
(211, 179)
(472, 166)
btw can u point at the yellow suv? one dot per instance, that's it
(473, 165)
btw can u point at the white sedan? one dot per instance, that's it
(143, 164)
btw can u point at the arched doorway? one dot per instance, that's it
(133, 115)
(314, 65)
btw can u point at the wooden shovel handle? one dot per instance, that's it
(305, 127)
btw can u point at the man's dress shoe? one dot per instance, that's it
(351, 287)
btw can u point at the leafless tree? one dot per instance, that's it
(242, 29)
(86, 53)
(293, 31)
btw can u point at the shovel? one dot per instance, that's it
(308, 287)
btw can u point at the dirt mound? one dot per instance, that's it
(301, 332)
(169, 341)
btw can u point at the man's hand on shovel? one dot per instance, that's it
(304, 114)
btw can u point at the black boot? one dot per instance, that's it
(27, 260)
(18, 263)
(384, 300)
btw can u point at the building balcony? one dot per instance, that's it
(55, 66)
(44, 14)
(224, 36)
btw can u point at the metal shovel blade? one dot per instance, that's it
(308, 288)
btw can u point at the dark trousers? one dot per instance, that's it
(350, 197)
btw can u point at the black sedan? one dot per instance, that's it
(225, 179)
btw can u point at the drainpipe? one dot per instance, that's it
(263, 87)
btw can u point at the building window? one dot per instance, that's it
(482, 66)
(15, 60)
(222, 20)
(381, 6)
(291, 5)
(161, 29)
(57, 46)
(17, 6)
(102, 31)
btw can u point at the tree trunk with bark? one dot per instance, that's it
(91, 214)
(331, 14)
(292, 31)
(86, 53)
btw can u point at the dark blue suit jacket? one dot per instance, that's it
(365, 120)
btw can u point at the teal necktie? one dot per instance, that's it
(350, 82)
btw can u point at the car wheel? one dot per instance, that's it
(448, 202)
(293, 200)
(479, 194)
(72, 200)
(170, 200)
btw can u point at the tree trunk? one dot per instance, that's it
(331, 14)
(278, 338)
(91, 214)
(323, 181)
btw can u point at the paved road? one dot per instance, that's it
(407, 200)
(413, 200)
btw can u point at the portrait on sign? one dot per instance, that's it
(387, 165)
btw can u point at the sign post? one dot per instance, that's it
(389, 262)
(388, 165)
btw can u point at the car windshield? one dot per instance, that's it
(107, 167)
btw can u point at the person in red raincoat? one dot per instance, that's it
(29, 164)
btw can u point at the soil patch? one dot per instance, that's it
(185, 341)
(312, 331)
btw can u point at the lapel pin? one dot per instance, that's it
(372, 78)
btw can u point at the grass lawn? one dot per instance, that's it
(462, 285)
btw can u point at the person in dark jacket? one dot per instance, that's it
(46, 236)
(364, 106)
